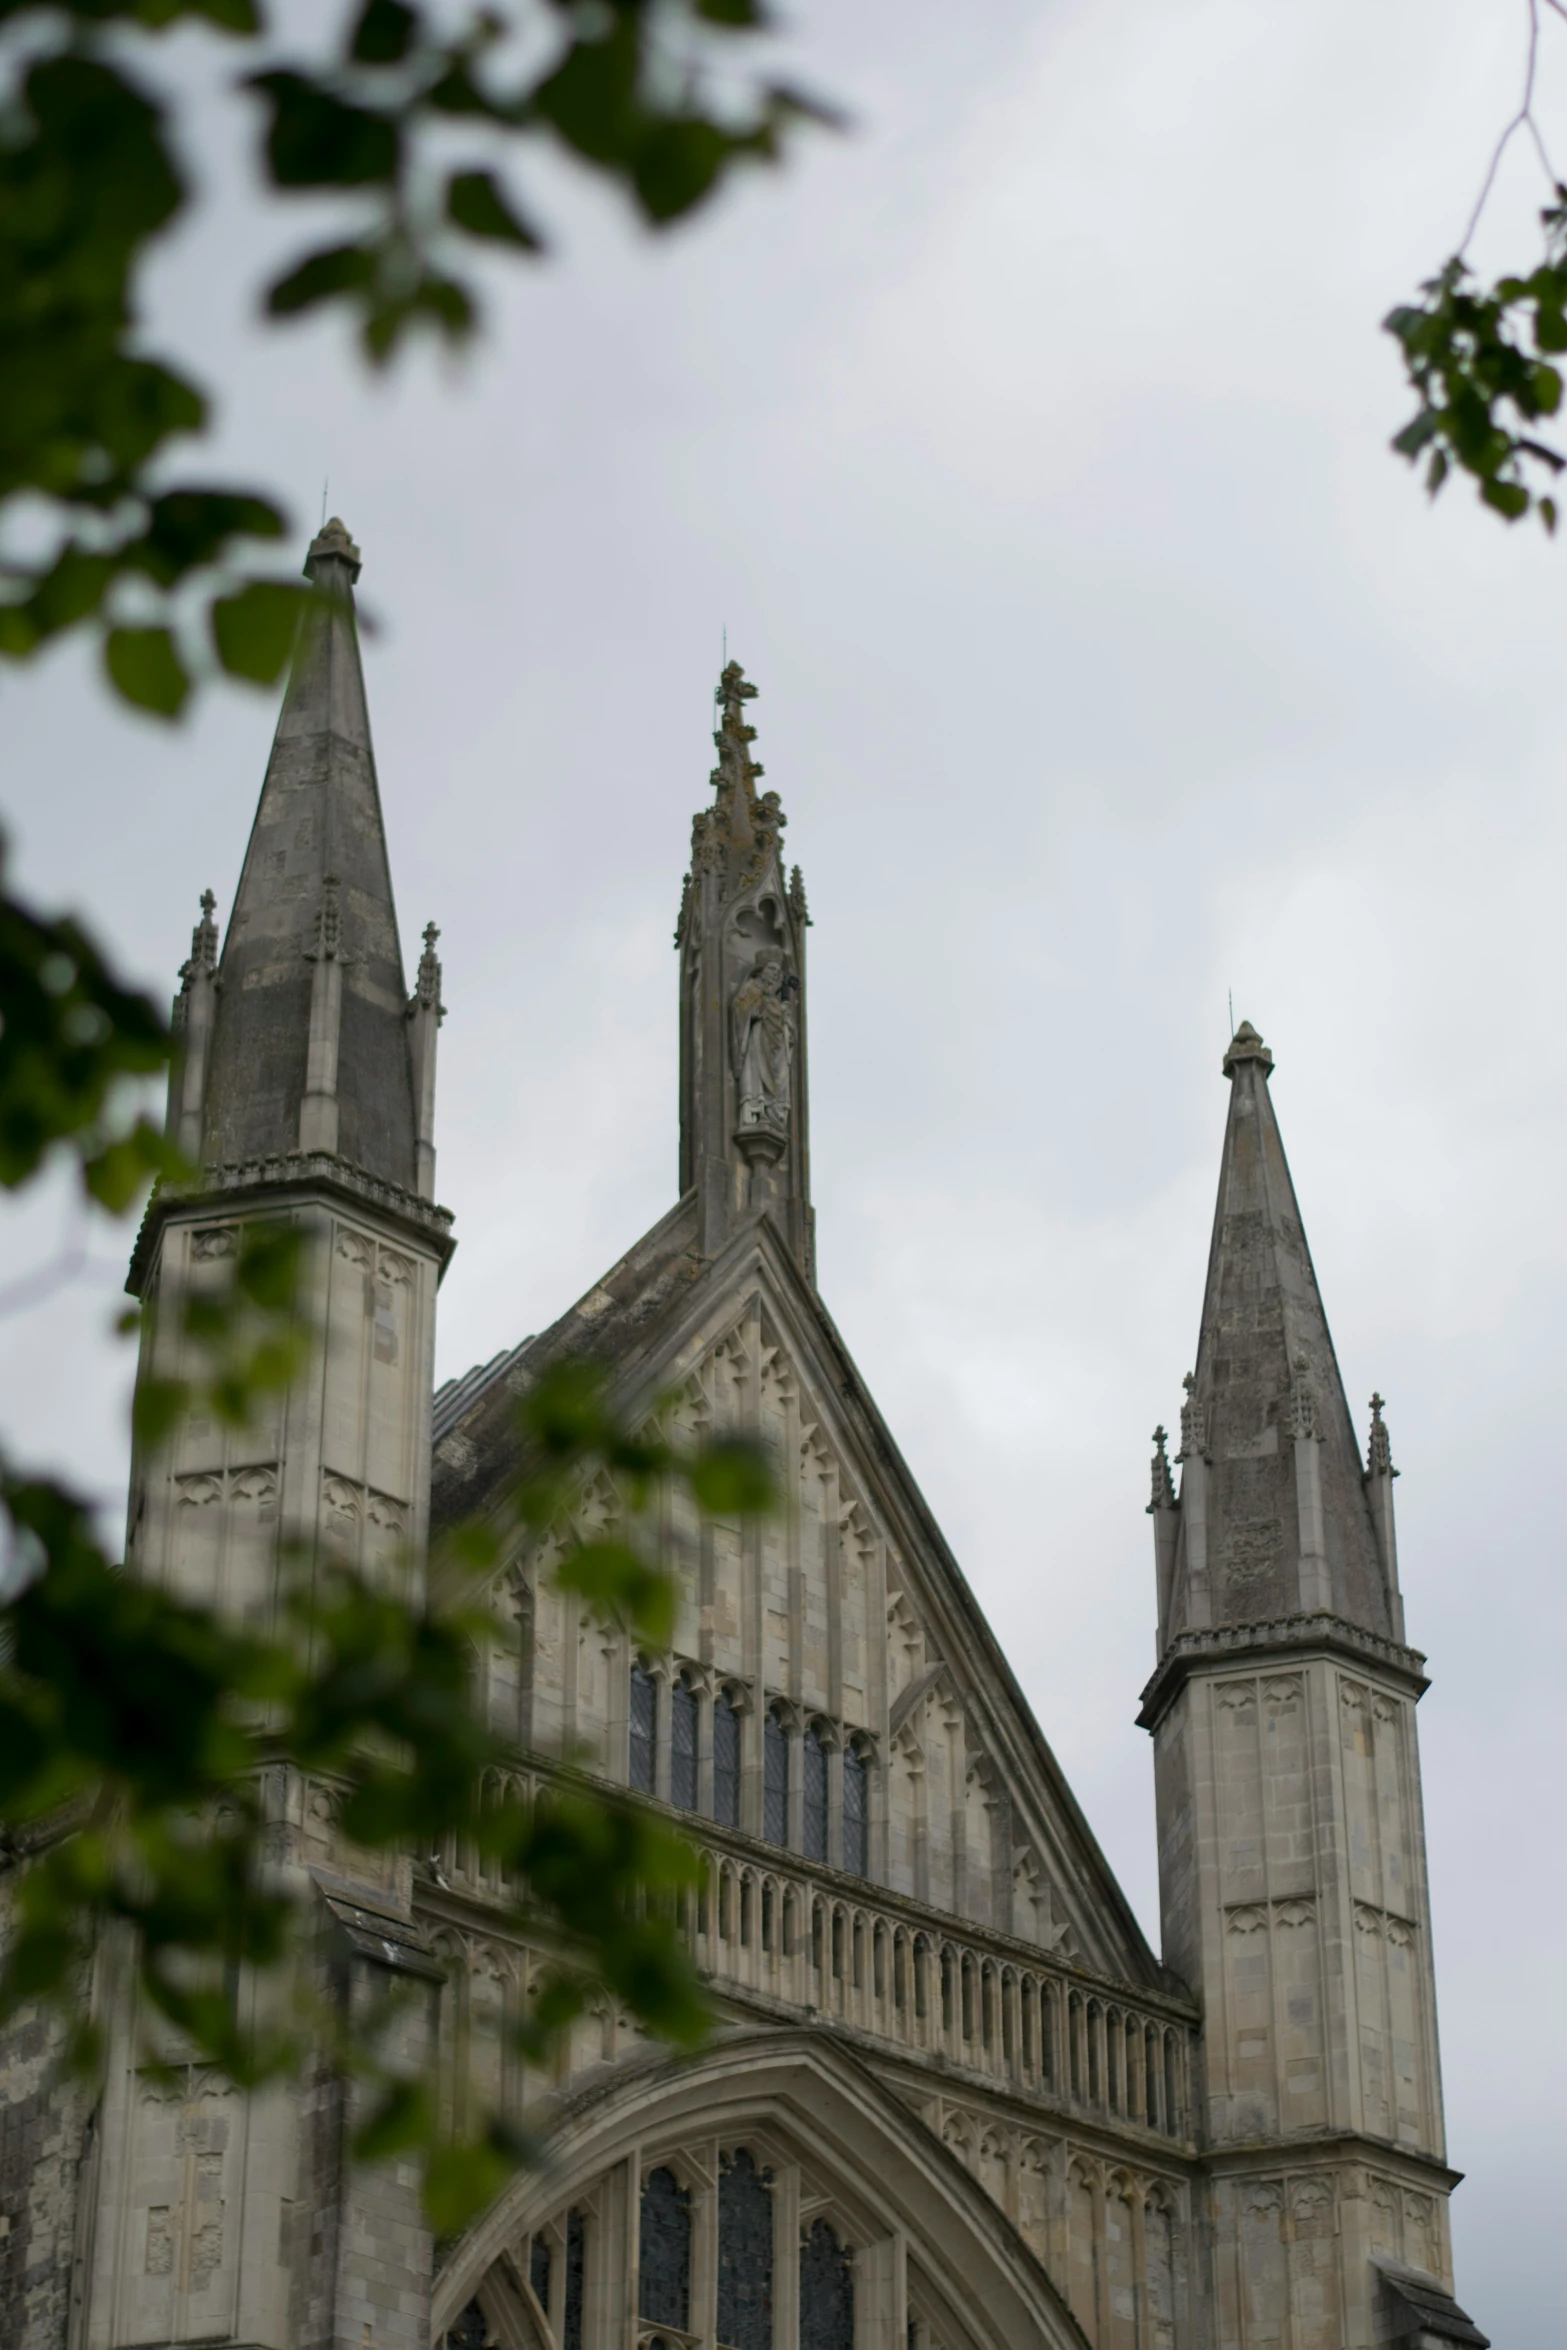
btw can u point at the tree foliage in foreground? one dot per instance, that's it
(140, 1734)
(1482, 361)
(140, 1737)
(402, 122)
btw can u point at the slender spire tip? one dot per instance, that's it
(1247, 1045)
(332, 543)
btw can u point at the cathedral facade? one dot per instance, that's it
(953, 2100)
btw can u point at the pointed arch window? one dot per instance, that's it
(815, 1792)
(644, 1730)
(682, 1745)
(775, 1779)
(664, 2283)
(726, 1760)
(856, 1810)
(826, 2292)
(745, 2255)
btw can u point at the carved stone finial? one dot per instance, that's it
(1303, 1402)
(797, 904)
(203, 944)
(332, 542)
(1247, 1045)
(427, 991)
(1163, 1493)
(1379, 1452)
(733, 690)
(1194, 1423)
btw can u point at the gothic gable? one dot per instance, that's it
(879, 1729)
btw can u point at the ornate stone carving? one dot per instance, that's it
(762, 1041)
(1194, 1423)
(211, 1241)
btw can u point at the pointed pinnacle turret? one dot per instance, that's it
(743, 1140)
(310, 1048)
(1275, 1514)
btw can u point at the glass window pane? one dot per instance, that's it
(539, 2271)
(644, 1729)
(682, 1746)
(745, 2255)
(815, 1795)
(664, 2295)
(826, 2292)
(775, 1778)
(571, 2321)
(856, 1777)
(726, 1761)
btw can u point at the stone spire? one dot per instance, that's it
(310, 1048)
(744, 1137)
(1276, 1516)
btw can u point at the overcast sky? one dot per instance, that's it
(1031, 446)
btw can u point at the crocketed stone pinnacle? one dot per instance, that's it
(319, 817)
(1266, 1377)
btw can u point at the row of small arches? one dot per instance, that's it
(816, 1743)
(903, 1984)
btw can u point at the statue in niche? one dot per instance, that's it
(762, 1027)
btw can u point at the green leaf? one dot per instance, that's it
(253, 629)
(322, 277)
(733, 1478)
(121, 1171)
(316, 140)
(612, 1578)
(404, 2117)
(475, 202)
(1509, 498)
(461, 2181)
(384, 33)
(679, 163)
(145, 669)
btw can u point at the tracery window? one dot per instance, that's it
(745, 2255)
(856, 1810)
(644, 1730)
(826, 2292)
(664, 2284)
(682, 1745)
(815, 1793)
(775, 1779)
(726, 1760)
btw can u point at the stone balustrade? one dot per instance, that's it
(769, 1927)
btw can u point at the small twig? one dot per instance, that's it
(1524, 118)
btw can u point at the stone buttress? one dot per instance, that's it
(1291, 1844)
(304, 1090)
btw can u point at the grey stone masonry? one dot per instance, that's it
(744, 1112)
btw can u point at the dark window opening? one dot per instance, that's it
(644, 1730)
(775, 1781)
(664, 2288)
(539, 2271)
(726, 1760)
(856, 1809)
(745, 2255)
(826, 2292)
(571, 2316)
(682, 1746)
(815, 1794)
